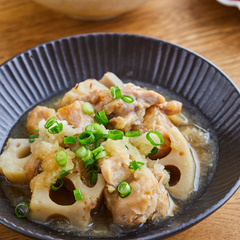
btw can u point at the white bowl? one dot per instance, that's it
(231, 3)
(91, 9)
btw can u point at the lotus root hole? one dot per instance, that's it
(24, 152)
(175, 174)
(64, 195)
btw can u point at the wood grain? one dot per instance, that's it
(206, 27)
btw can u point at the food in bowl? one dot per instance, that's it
(112, 154)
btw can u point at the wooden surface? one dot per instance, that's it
(204, 26)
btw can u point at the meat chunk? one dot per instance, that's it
(32, 168)
(36, 115)
(139, 205)
(74, 115)
(81, 90)
(171, 108)
(115, 170)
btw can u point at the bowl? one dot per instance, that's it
(91, 9)
(53, 67)
(231, 3)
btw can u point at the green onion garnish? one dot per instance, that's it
(61, 158)
(69, 140)
(64, 173)
(88, 108)
(78, 194)
(81, 152)
(22, 210)
(97, 150)
(95, 128)
(94, 177)
(135, 165)
(86, 138)
(89, 162)
(127, 98)
(124, 189)
(101, 154)
(153, 151)
(168, 171)
(115, 92)
(88, 156)
(50, 122)
(132, 133)
(101, 118)
(152, 141)
(115, 134)
(60, 183)
(32, 137)
(55, 129)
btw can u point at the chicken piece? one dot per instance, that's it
(171, 108)
(154, 119)
(141, 95)
(115, 170)
(46, 203)
(32, 168)
(139, 205)
(36, 115)
(110, 79)
(74, 115)
(81, 89)
(14, 159)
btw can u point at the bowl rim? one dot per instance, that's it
(182, 226)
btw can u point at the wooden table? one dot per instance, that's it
(204, 26)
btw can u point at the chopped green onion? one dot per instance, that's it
(115, 134)
(50, 122)
(115, 91)
(88, 108)
(22, 210)
(78, 194)
(168, 171)
(127, 99)
(94, 177)
(61, 158)
(101, 154)
(89, 155)
(124, 189)
(69, 140)
(81, 152)
(103, 135)
(135, 165)
(89, 162)
(56, 129)
(153, 151)
(101, 118)
(33, 136)
(55, 188)
(132, 133)
(64, 173)
(86, 137)
(126, 147)
(152, 141)
(95, 128)
(97, 150)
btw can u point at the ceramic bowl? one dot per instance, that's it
(46, 70)
(91, 9)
